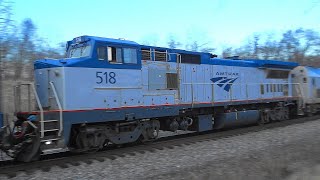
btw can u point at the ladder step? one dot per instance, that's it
(50, 120)
(54, 139)
(54, 150)
(49, 130)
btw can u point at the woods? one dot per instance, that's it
(299, 45)
(19, 47)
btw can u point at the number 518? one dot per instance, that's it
(105, 77)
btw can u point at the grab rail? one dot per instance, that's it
(60, 107)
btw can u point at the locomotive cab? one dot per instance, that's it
(308, 80)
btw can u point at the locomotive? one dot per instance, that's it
(114, 91)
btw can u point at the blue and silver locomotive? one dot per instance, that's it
(113, 91)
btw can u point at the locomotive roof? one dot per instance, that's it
(313, 72)
(111, 40)
(201, 57)
(215, 61)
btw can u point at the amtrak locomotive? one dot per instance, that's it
(112, 91)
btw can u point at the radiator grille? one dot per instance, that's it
(160, 55)
(172, 81)
(145, 53)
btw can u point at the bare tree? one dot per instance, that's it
(227, 52)
(26, 47)
(300, 45)
(173, 43)
(195, 46)
(5, 23)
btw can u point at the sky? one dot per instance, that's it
(219, 23)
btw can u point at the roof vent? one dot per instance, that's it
(233, 57)
(213, 55)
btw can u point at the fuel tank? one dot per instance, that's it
(238, 118)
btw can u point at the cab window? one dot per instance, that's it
(114, 55)
(79, 50)
(117, 55)
(102, 53)
(130, 55)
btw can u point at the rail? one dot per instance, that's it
(60, 108)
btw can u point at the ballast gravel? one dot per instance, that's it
(290, 152)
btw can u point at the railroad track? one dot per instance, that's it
(66, 159)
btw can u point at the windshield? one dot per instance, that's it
(82, 50)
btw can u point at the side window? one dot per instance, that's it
(190, 58)
(117, 55)
(313, 81)
(130, 55)
(273, 88)
(102, 55)
(261, 88)
(318, 93)
(114, 55)
(285, 89)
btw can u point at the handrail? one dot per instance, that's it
(302, 95)
(179, 75)
(40, 107)
(60, 107)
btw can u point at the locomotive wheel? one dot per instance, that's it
(89, 142)
(151, 132)
(264, 118)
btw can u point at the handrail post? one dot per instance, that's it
(41, 109)
(212, 94)
(230, 91)
(15, 95)
(247, 96)
(60, 108)
(29, 99)
(192, 95)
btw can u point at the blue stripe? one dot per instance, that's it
(252, 63)
(82, 63)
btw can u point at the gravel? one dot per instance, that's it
(283, 153)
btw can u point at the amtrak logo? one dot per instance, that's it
(224, 82)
